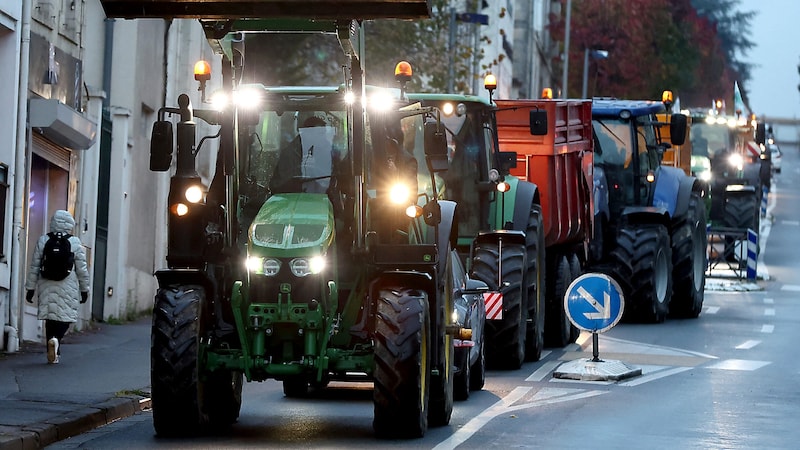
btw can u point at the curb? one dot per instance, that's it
(40, 435)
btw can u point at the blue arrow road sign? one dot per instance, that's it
(594, 302)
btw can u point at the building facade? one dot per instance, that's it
(83, 94)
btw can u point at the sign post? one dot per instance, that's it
(594, 303)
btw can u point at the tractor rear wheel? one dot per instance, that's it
(643, 261)
(575, 270)
(534, 243)
(689, 246)
(402, 364)
(558, 328)
(223, 396)
(505, 338)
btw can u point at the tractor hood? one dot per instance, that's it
(300, 222)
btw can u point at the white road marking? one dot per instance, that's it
(767, 328)
(541, 372)
(545, 396)
(769, 301)
(747, 345)
(654, 376)
(769, 312)
(738, 364)
(483, 418)
(790, 287)
(790, 222)
(712, 309)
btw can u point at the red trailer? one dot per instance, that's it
(560, 163)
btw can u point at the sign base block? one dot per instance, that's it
(589, 370)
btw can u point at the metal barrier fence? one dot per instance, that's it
(732, 251)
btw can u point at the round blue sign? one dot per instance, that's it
(594, 302)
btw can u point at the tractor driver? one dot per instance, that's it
(304, 165)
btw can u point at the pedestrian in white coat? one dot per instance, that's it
(58, 299)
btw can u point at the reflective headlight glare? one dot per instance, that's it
(414, 211)
(448, 109)
(264, 266)
(303, 267)
(179, 209)
(503, 187)
(194, 194)
(705, 175)
(736, 161)
(399, 194)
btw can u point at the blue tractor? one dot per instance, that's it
(650, 223)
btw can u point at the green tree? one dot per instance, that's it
(732, 27)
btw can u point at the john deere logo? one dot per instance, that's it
(427, 258)
(286, 288)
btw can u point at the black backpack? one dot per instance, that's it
(57, 257)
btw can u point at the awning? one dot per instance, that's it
(61, 124)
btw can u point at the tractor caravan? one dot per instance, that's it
(316, 253)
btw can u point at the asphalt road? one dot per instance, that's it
(725, 380)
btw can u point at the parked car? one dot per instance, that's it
(470, 312)
(775, 156)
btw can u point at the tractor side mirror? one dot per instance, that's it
(161, 146)
(507, 161)
(435, 147)
(761, 133)
(538, 122)
(677, 128)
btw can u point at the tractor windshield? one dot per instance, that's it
(468, 139)
(614, 154)
(294, 151)
(708, 139)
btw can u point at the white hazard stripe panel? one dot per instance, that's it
(494, 305)
(754, 148)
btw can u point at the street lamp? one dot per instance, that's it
(595, 55)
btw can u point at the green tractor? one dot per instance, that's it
(500, 230)
(319, 251)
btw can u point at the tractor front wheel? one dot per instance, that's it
(643, 262)
(402, 364)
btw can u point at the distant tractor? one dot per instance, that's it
(727, 154)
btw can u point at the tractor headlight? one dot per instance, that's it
(264, 266)
(194, 193)
(303, 267)
(705, 175)
(736, 160)
(179, 209)
(399, 194)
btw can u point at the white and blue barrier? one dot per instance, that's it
(752, 254)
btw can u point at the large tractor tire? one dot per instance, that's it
(575, 270)
(505, 338)
(534, 244)
(441, 390)
(643, 262)
(402, 364)
(558, 329)
(184, 401)
(689, 262)
(742, 212)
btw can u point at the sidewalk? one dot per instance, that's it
(104, 375)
